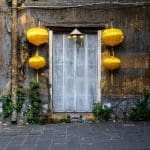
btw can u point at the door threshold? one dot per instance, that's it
(84, 115)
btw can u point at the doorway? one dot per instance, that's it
(75, 73)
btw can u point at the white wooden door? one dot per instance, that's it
(75, 71)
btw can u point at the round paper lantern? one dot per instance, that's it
(37, 36)
(112, 63)
(112, 37)
(37, 62)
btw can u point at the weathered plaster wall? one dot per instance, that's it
(129, 80)
(134, 52)
(5, 48)
(26, 21)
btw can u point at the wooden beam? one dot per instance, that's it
(51, 70)
(83, 27)
(14, 63)
(99, 68)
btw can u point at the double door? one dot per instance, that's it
(75, 71)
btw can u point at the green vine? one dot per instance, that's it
(21, 95)
(7, 105)
(33, 112)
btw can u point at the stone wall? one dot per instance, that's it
(129, 80)
(133, 77)
(5, 48)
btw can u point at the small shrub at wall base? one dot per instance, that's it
(42, 119)
(8, 106)
(33, 113)
(141, 111)
(102, 112)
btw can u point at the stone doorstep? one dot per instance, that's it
(74, 116)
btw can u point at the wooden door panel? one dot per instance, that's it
(74, 74)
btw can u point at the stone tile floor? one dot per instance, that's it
(76, 136)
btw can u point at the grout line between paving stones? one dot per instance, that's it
(9, 142)
(79, 137)
(50, 145)
(36, 143)
(25, 140)
(66, 138)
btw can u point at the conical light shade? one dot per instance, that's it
(75, 32)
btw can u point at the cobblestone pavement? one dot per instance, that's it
(76, 136)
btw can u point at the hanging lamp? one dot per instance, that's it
(37, 62)
(37, 36)
(112, 63)
(112, 36)
(77, 36)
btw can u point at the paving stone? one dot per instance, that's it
(13, 147)
(42, 146)
(77, 136)
(58, 146)
(28, 147)
(73, 146)
(87, 146)
(18, 140)
(59, 139)
(31, 139)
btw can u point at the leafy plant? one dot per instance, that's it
(7, 105)
(141, 111)
(42, 119)
(102, 112)
(68, 119)
(35, 101)
(21, 95)
(32, 115)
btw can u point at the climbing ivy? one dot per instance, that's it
(7, 105)
(35, 102)
(21, 96)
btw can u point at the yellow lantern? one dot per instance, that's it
(37, 62)
(112, 37)
(112, 63)
(37, 36)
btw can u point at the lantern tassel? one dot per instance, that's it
(39, 23)
(37, 51)
(112, 78)
(37, 76)
(113, 53)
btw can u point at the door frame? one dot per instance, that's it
(99, 48)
